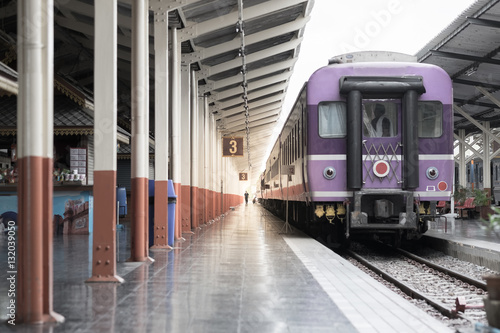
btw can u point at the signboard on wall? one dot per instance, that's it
(232, 146)
(243, 176)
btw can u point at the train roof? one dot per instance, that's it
(371, 56)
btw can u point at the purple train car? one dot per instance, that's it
(367, 149)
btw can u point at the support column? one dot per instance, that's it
(194, 152)
(161, 130)
(186, 149)
(105, 129)
(220, 173)
(486, 158)
(35, 114)
(176, 129)
(206, 150)
(462, 167)
(140, 132)
(215, 169)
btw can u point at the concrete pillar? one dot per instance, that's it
(462, 167)
(206, 150)
(35, 114)
(486, 158)
(195, 184)
(185, 144)
(161, 130)
(140, 132)
(220, 183)
(215, 169)
(105, 129)
(176, 128)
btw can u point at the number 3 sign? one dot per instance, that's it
(232, 146)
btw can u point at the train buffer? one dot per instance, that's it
(468, 206)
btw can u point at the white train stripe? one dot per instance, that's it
(433, 194)
(320, 194)
(342, 157)
(439, 157)
(330, 157)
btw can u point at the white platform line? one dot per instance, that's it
(368, 304)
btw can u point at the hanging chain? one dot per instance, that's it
(242, 51)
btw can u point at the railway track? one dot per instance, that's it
(449, 292)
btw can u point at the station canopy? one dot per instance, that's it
(468, 50)
(244, 51)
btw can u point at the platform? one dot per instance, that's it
(466, 239)
(238, 274)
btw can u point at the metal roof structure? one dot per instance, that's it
(243, 53)
(468, 50)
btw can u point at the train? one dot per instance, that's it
(366, 150)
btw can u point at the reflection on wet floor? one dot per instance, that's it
(235, 275)
(467, 228)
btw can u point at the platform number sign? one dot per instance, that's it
(243, 176)
(232, 146)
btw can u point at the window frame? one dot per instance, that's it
(441, 115)
(335, 136)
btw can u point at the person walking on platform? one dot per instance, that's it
(246, 197)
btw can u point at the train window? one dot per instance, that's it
(332, 120)
(430, 119)
(380, 119)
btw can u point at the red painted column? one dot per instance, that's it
(160, 236)
(105, 136)
(160, 240)
(104, 235)
(195, 206)
(139, 218)
(35, 162)
(186, 208)
(140, 133)
(30, 238)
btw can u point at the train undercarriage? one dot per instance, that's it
(369, 216)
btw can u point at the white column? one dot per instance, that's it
(462, 167)
(140, 132)
(206, 141)
(176, 162)
(35, 114)
(486, 157)
(185, 158)
(194, 130)
(140, 90)
(175, 105)
(105, 135)
(161, 94)
(160, 236)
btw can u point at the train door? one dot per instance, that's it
(382, 162)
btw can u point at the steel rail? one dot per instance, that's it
(408, 290)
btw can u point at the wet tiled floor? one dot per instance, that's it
(460, 229)
(235, 275)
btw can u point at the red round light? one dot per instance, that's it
(381, 168)
(442, 186)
